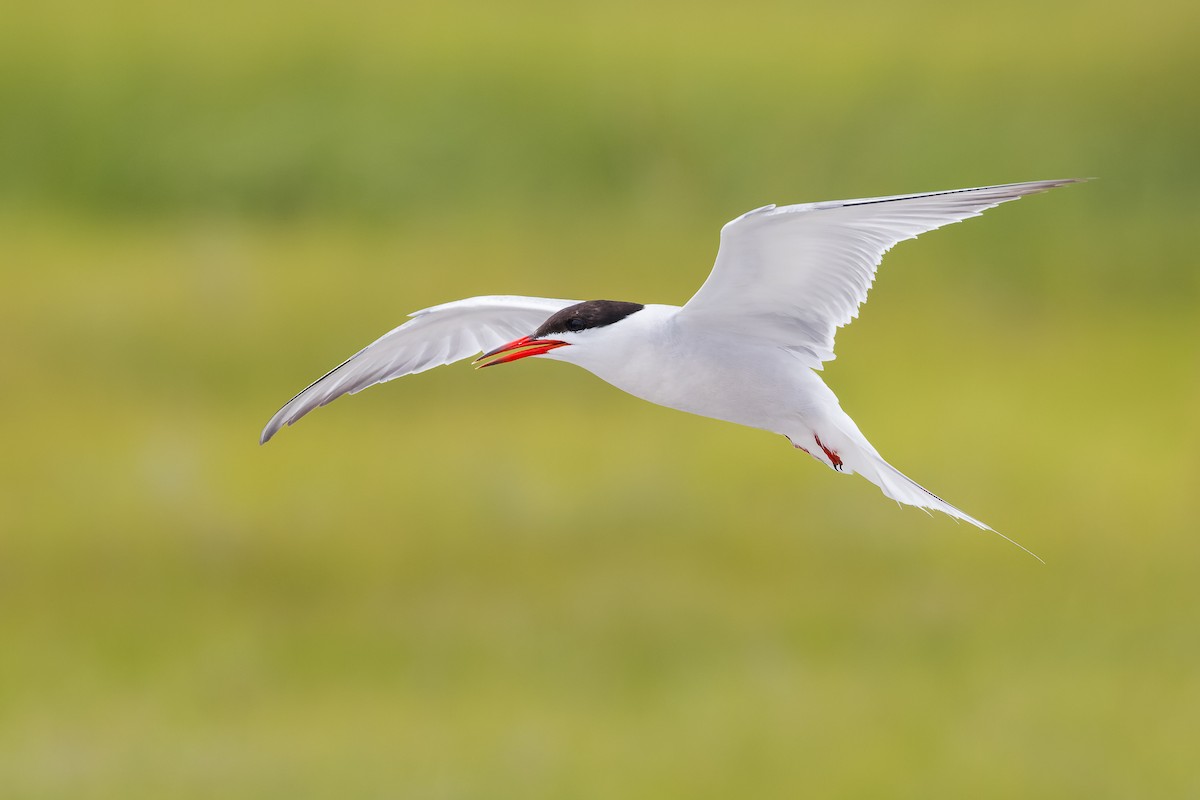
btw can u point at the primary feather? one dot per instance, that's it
(793, 275)
(433, 337)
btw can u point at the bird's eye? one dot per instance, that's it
(575, 324)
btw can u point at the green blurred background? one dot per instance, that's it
(523, 584)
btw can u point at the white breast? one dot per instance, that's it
(711, 374)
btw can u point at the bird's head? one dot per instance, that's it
(578, 325)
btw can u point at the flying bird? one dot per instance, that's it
(744, 349)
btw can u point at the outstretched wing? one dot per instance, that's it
(433, 337)
(792, 276)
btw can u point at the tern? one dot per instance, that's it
(745, 348)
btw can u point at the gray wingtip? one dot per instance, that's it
(1045, 186)
(268, 432)
(1055, 183)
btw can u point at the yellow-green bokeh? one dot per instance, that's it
(521, 583)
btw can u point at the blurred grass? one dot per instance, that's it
(416, 593)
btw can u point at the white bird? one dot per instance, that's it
(744, 349)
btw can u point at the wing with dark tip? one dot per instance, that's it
(791, 276)
(433, 337)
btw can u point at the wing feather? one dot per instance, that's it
(793, 275)
(433, 337)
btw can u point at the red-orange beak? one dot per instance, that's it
(519, 348)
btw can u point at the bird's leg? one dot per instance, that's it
(832, 455)
(832, 459)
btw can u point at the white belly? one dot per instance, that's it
(723, 377)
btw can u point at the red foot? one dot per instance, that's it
(831, 454)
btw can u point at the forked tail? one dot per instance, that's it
(901, 488)
(842, 446)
